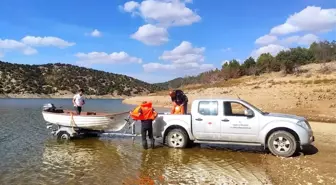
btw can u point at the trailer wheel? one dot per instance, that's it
(63, 135)
(177, 138)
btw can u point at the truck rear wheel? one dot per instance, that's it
(177, 138)
(282, 143)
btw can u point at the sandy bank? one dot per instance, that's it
(311, 94)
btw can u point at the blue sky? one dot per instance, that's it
(157, 40)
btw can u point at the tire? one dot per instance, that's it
(63, 135)
(282, 143)
(177, 138)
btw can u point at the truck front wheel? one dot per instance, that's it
(282, 143)
(177, 138)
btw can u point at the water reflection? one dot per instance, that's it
(197, 166)
(87, 161)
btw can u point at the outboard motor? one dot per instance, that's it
(49, 107)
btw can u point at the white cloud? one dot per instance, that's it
(151, 35)
(273, 49)
(301, 40)
(131, 6)
(1, 54)
(167, 12)
(312, 18)
(8, 45)
(160, 15)
(26, 45)
(184, 53)
(266, 39)
(29, 51)
(187, 68)
(96, 33)
(296, 39)
(105, 58)
(46, 41)
(184, 58)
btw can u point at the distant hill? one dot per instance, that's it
(54, 78)
(287, 61)
(179, 82)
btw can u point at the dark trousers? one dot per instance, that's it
(185, 106)
(147, 129)
(78, 110)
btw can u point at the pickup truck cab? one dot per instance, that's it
(234, 121)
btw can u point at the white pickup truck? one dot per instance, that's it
(234, 121)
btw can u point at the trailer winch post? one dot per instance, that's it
(133, 132)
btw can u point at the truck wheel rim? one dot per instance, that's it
(176, 140)
(281, 144)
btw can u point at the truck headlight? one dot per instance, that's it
(303, 124)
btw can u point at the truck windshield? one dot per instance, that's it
(255, 108)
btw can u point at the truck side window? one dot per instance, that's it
(208, 108)
(234, 109)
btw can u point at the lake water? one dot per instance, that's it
(30, 155)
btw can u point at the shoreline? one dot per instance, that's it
(65, 96)
(311, 118)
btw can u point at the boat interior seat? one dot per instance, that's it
(90, 113)
(58, 111)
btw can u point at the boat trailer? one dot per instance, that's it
(66, 133)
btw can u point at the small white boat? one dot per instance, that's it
(86, 120)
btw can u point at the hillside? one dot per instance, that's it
(287, 61)
(311, 93)
(65, 78)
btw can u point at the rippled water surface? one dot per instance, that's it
(30, 155)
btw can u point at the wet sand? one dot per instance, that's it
(315, 165)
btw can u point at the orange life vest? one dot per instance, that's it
(146, 113)
(177, 109)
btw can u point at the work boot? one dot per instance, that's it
(152, 143)
(144, 145)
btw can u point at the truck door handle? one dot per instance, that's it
(199, 119)
(226, 120)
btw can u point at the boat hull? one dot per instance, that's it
(112, 122)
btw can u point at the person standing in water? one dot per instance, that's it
(146, 114)
(78, 101)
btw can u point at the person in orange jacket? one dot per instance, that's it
(180, 100)
(146, 114)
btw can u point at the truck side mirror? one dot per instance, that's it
(249, 113)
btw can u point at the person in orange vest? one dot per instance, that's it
(179, 99)
(146, 114)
